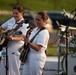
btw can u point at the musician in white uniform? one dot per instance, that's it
(15, 41)
(36, 59)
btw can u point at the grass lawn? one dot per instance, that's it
(51, 51)
(38, 5)
(4, 17)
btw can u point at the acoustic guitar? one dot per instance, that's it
(3, 35)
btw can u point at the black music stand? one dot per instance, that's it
(66, 32)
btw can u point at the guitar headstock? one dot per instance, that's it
(2, 30)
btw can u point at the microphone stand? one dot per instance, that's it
(6, 60)
(66, 31)
(59, 47)
(6, 47)
(59, 54)
(60, 32)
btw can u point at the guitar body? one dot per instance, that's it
(24, 54)
(3, 40)
(3, 35)
(4, 44)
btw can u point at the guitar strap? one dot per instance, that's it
(37, 33)
(25, 46)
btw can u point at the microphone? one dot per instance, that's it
(58, 27)
(61, 29)
(64, 13)
(73, 10)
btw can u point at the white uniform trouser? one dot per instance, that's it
(12, 70)
(14, 64)
(34, 64)
(13, 59)
(2, 68)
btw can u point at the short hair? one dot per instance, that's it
(19, 8)
(43, 15)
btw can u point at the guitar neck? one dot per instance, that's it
(15, 29)
(18, 26)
